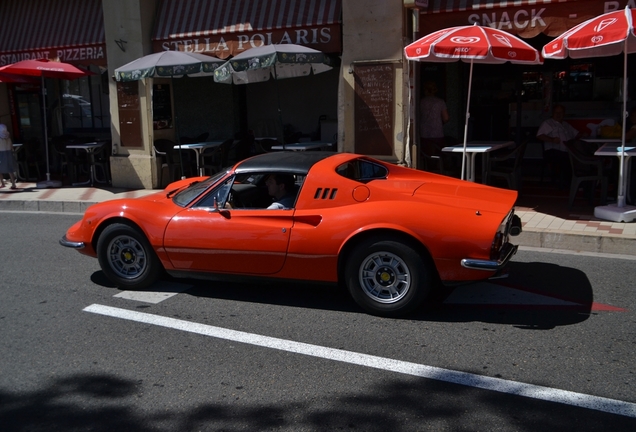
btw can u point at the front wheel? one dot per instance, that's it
(387, 278)
(126, 257)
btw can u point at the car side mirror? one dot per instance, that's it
(223, 212)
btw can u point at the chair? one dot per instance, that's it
(435, 160)
(507, 165)
(101, 161)
(29, 159)
(585, 169)
(213, 159)
(240, 149)
(165, 148)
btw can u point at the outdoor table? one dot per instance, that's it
(304, 146)
(90, 149)
(198, 150)
(474, 147)
(611, 149)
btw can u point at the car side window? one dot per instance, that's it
(220, 193)
(362, 170)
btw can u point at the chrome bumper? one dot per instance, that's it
(70, 244)
(491, 265)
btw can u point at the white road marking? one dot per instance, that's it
(160, 291)
(581, 400)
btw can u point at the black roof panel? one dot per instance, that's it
(298, 162)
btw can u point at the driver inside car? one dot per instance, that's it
(282, 187)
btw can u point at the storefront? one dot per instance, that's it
(190, 106)
(68, 31)
(510, 101)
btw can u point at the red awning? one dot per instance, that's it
(69, 30)
(224, 28)
(526, 18)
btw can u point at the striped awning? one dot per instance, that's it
(71, 31)
(525, 18)
(440, 6)
(223, 28)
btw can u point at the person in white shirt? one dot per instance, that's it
(554, 132)
(7, 162)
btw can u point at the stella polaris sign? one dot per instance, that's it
(319, 38)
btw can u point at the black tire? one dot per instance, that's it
(387, 277)
(126, 257)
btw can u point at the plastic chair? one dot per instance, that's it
(433, 159)
(214, 159)
(507, 165)
(585, 169)
(101, 161)
(28, 159)
(165, 148)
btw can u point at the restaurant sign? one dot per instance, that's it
(87, 54)
(324, 38)
(526, 21)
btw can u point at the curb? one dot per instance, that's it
(577, 241)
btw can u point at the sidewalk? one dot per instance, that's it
(545, 225)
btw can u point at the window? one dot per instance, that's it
(84, 104)
(362, 170)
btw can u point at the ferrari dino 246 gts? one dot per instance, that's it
(390, 234)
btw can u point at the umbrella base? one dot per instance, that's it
(613, 212)
(48, 184)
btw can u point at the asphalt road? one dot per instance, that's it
(76, 353)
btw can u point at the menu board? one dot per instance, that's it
(129, 115)
(374, 99)
(161, 107)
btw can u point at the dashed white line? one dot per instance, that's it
(160, 291)
(581, 400)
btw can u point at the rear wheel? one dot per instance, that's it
(126, 257)
(387, 277)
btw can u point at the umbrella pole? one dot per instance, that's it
(176, 129)
(470, 82)
(46, 132)
(621, 174)
(280, 114)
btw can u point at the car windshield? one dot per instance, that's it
(192, 192)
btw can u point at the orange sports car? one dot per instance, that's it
(390, 234)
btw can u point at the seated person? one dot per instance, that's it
(554, 132)
(282, 187)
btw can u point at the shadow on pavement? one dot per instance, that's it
(107, 402)
(535, 296)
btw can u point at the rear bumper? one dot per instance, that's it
(74, 245)
(506, 254)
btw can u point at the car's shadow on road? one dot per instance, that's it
(535, 296)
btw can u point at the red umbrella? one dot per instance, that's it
(16, 79)
(472, 44)
(606, 35)
(44, 68)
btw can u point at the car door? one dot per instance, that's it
(237, 241)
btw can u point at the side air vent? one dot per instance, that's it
(326, 193)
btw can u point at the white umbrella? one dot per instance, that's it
(277, 61)
(169, 64)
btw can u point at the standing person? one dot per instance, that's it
(7, 162)
(554, 132)
(433, 116)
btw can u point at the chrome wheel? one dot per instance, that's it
(126, 257)
(384, 277)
